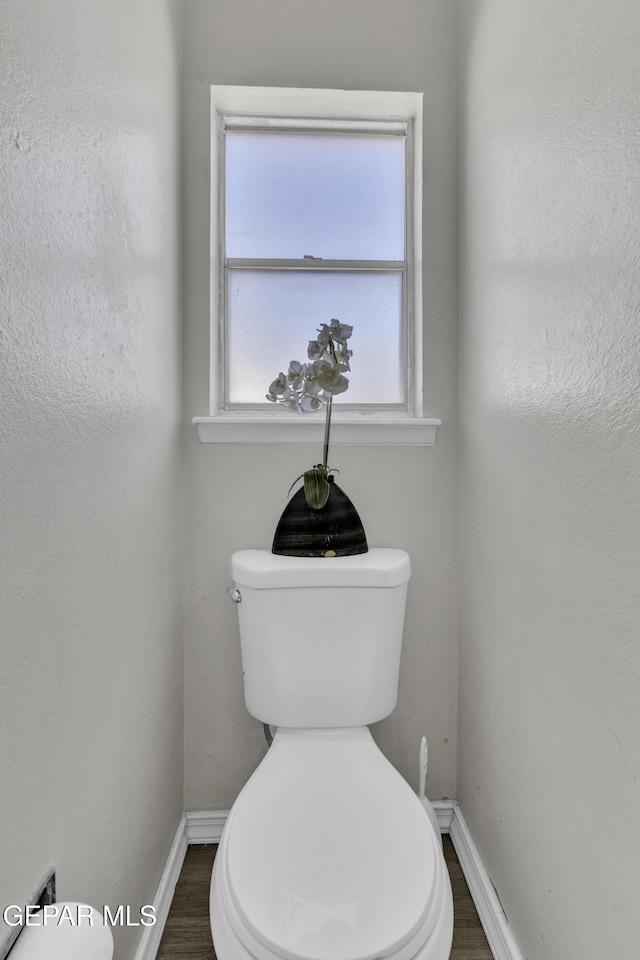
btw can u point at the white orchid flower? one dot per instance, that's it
(339, 331)
(340, 385)
(315, 350)
(291, 399)
(295, 374)
(342, 356)
(310, 403)
(311, 386)
(329, 377)
(324, 334)
(277, 388)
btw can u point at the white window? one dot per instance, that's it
(315, 215)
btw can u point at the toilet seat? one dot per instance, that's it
(329, 799)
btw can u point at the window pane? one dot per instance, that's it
(336, 196)
(274, 314)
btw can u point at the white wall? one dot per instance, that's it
(549, 739)
(91, 677)
(411, 503)
(90, 688)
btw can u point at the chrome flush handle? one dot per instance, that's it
(235, 594)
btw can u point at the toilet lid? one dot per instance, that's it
(329, 853)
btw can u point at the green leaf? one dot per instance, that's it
(316, 488)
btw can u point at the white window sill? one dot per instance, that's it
(229, 429)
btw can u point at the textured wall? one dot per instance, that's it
(91, 678)
(411, 500)
(549, 736)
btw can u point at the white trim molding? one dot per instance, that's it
(378, 431)
(492, 917)
(444, 810)
(395, 112)
(151, 936)
(206, 826)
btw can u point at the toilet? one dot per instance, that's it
(327, 853)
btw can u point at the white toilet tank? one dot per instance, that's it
(321, 638)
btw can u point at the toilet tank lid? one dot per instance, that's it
(263, 570)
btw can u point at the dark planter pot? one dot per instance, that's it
(334, 531)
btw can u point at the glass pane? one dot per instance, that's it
(274, 314)
(336, 196)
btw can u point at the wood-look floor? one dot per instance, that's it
(187, 935)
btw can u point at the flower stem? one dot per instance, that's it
(327, 430)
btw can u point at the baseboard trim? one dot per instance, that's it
(205, 826)
(492, 917)
(444, 811)
(150, 940)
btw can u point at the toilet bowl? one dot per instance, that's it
(327, 853)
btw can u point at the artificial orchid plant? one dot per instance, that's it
(309, 386)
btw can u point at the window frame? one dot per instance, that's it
(331, 109)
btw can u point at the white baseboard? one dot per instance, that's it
(205, 826)
(444, 810)
(494, 922)
(151, 936)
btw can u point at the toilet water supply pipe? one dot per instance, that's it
(422, 772)
(422, 780)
